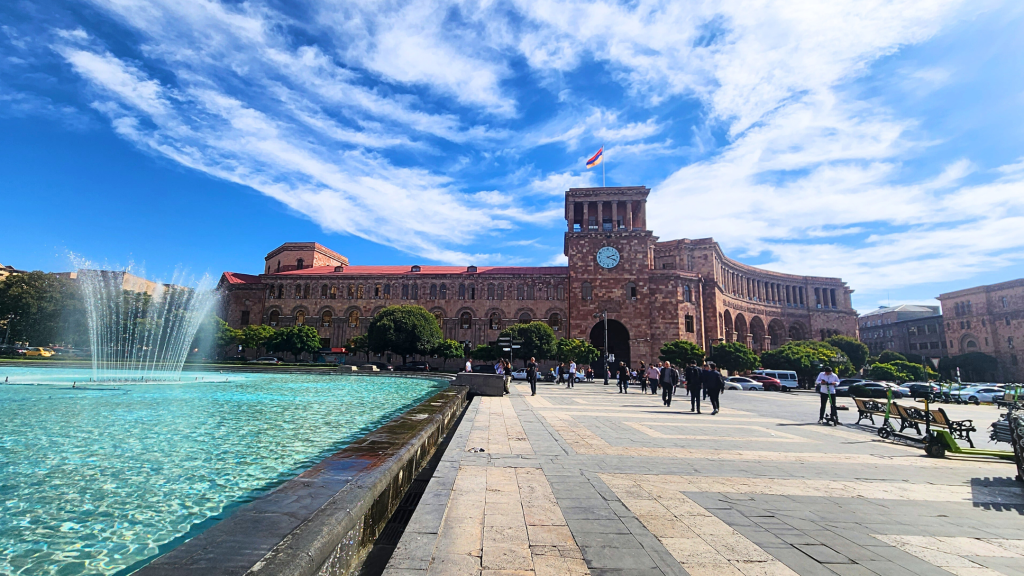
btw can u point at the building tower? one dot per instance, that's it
(611, 255)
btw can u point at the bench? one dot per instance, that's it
(869, 409)
(914, 417)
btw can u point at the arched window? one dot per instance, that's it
(280, 290)
(359, 292)
(555, 321)
(300, 318)
(351, 291)
(334, 292)
(520, 292)
(325, 318)
(275, 317)
(490, 291)
(439, 317)
(525, 318)
(433, 291)
(405, 291)
(278, 265)
(305, 292)
(972, 344)
(631, 291)
(561, 291)
(415, 291)
(300, 264)
(376, 291)
(586, 291)
(443, 292)
(323, 291)
(529, 291)
(462, 291)
(501, 291)
(495, 321)
(353, 319)
(298, 291)
(686, 294)
(387, 291)
(465, 320)
(472, 292)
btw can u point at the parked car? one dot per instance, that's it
(236, 359)
(519, 374)
(978, 394)
(383, 366)
(265, 360)
(843, 388)
(414, 366)
(742, 383)
(870, 389)
(42, 352)
(787, 378)
(920, 389)
(767, 382)
(484, 369)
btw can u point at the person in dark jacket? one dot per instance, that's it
(623, 377)
(531, 375)
(668, 379)
(713, 384)
(693, 385)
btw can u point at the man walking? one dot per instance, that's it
(531, 375)
(572, 374)
(693, 385)
(652, 377)
(713, 384)
(623, 378)
(826, 383)
(668, 378)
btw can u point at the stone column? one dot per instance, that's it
(750, 340)
(767, 342)
(615, 215)
(571, 217)
(600, 215)
(643, 214)
(629, 216)
(586, 217)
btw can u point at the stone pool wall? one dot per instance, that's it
(324, 521)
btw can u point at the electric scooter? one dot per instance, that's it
(831, 417)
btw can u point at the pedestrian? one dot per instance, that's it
(652, 377)
(668, 379)
(572, 374)
(826, 384)
(531, 375)
(590, 373)
(469, 365)
(692, 376)
(713, 384)
(642, 376)
(560, 373)
(623, 378)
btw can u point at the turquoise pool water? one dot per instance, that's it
(100, 479)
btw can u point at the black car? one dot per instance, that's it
(484, 369)
(843, 388)
(415, 366)
(874, 390)
(921, 390)
(383, 366)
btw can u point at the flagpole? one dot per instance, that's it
(604, 184)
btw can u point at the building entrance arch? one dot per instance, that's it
(618, 342)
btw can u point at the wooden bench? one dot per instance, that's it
(914, 417)
(868, 409)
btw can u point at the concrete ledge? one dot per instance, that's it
(481, 384)
(324, 521)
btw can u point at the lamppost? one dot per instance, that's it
(604, 315)
(711, 350)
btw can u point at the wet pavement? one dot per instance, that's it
(589, 481)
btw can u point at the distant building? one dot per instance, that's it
(126, 280)
(6, 271)
(905, 329)
(987, 319)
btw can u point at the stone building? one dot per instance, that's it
(905, 329)
(987, 319)
(652, 292)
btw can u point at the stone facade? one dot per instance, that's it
(653, 293)
(987, 319)
(905, 329)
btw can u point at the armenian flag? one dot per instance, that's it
(596, 158)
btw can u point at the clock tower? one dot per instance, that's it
(611, 256)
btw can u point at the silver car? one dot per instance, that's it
(741, 383)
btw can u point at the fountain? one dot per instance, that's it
(141, 330)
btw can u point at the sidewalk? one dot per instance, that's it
(589, 481)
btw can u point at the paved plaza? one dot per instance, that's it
(589, 481)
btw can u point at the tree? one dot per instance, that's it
(447, 349)
(483, 353)
(888, 356)
(912, 372)
(974, 367)
(360, 345)
(807, 358)
(734, 357)
(887, 373)
(854, 349)
(295, 339)
(404, 330)
(576, 350)
(681, 352)
(254, 337)
(43, 309)
(538, 340)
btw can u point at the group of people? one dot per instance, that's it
(707, 382)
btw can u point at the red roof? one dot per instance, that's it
(236, 278)
(403, 270)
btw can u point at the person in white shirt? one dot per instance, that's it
(826, 384)
(469, 365)
(572, 374)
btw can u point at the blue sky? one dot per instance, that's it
(881, 142)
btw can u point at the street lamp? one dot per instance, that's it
(711, 350)
(604, 315)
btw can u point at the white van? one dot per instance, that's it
(787, 378)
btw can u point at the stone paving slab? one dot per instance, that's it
(589, 481)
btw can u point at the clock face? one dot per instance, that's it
(607, 257)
